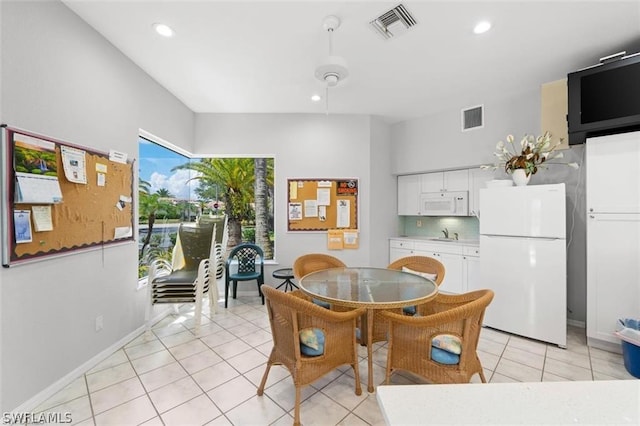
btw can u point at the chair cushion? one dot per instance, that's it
(311, 341)
(426, 275)
(447, 342)
(322, 303)
(444, 357)
(409, 310)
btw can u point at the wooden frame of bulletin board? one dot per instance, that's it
(322, 204)
(50, 208)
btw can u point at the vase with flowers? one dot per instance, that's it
(533, 154)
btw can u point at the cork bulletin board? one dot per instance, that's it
(90, 206)
(322, 204)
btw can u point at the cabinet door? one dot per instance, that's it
(613, 272)
(478, 178)
(613, 173)
(471, 273)
(408, 194)
(432, 182)
(398, 253)
(456, 180)
(453, 273)
(452, 263)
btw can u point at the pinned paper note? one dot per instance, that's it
(117, 156)
(42, 218)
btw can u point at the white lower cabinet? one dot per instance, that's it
(399, 249)
(461, 262)
(613, 274)
(471, 268)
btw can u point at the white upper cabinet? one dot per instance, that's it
(455, 180)
(478, 179)
(613, 173)
(408, 195)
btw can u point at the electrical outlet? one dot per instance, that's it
(419, 223)
(99, 323)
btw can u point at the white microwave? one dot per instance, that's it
(454, 203)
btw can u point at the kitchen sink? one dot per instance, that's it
(442, 239)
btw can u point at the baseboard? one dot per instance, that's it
(576, 323)
(41, 397)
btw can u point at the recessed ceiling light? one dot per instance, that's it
(316, 98)
(482, 27)
(163, 30)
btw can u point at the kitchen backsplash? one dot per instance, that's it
(468, 228)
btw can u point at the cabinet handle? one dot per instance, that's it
(591, 216)
(591, 209)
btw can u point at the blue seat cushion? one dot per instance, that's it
(443, 357)
(322, 303)
(409, 310)
(311, 341)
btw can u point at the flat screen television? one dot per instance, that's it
(604, 99)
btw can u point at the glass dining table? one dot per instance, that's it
(371, 288)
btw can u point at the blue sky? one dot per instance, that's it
(155, 167)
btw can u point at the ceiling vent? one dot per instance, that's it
(394, 22)
(473, 118)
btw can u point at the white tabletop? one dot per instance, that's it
(558, 403)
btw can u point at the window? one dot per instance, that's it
(175, 188)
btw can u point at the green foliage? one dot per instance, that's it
(249, 235)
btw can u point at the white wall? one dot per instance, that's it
(61, 78)
(310, 146)
(436, 142)
(383, 208)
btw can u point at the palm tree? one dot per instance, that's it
(164, 193)
(262, 207)
(235, 177)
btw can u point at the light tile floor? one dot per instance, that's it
(169, 376)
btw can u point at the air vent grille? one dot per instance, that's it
(393, 22)
(473, 118)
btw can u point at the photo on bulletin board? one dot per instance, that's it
(59, 198)
(322, 204)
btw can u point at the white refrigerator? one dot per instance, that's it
(523, 260)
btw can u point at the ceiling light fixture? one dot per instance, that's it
(316, 98)
(482, 27)
(163, 29)
(334, 68)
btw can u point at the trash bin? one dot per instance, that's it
(631, 356)
(630, 336)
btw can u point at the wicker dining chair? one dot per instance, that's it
(422, 265)
(289, 313)
(313, 262)
(416, 342)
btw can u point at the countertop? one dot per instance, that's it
(596, 402)
(468, 242)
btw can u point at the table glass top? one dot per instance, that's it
(367, 285)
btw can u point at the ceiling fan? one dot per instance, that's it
(333, 69)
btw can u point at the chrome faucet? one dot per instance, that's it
(455, 236)
(445, 231)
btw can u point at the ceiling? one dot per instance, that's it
(260, 56)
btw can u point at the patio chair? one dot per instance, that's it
(440, 346)
(245, 263)
(186, 279)
(295, 320)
